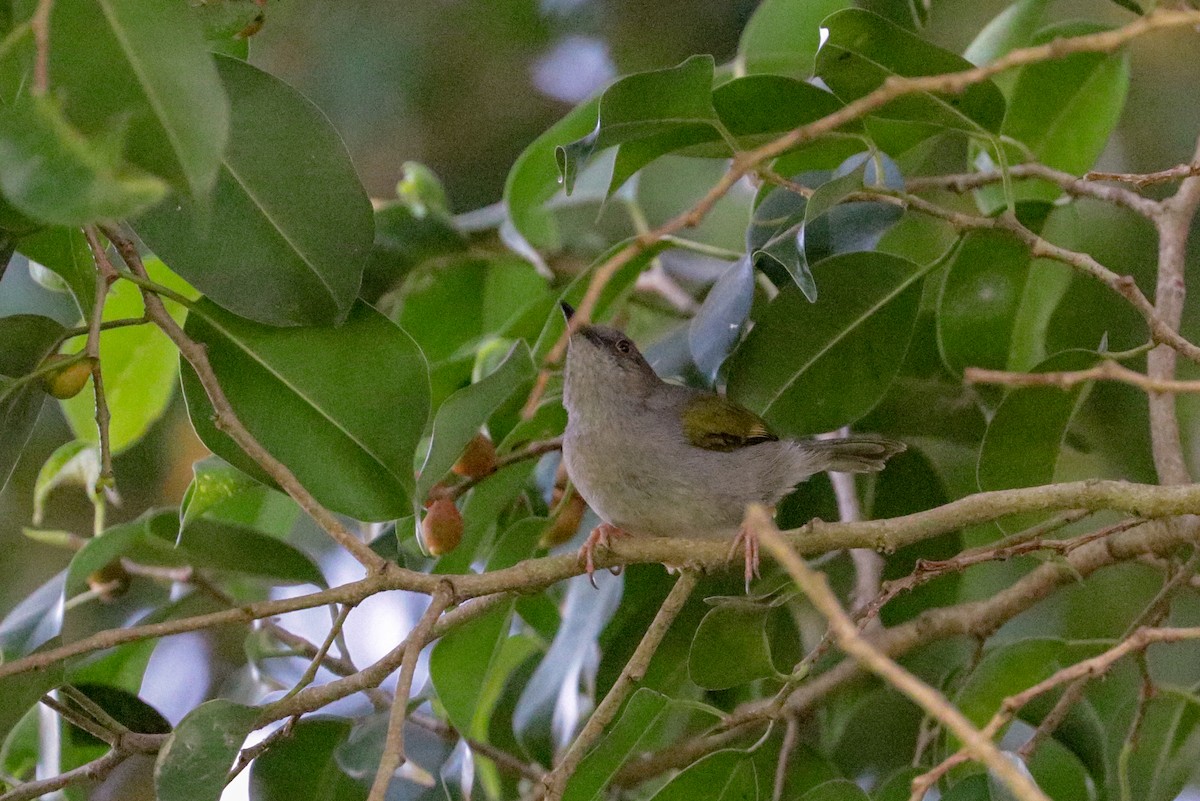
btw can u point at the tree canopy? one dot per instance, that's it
(281, 462)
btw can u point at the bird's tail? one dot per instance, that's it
(862, 453)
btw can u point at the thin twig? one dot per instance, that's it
(1144, 179)
(40, 24)
(95, 770)
(393, 750)
(555, 782)
(106, 275)
(319, 658)
(503, 759)
(1079, 187)
(1104, 371)
(533, 450)
(227, 421)
(852, 642)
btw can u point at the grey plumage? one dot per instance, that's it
(628, 454)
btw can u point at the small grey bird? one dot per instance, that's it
(658, 459)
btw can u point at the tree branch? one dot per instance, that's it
(848, 638)
(555, 782)
(1104, 371)
(393, 749)
(228, 422)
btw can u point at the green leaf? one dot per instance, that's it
(808, 368)
(213, 483)
(139, 365)
(644, 714)
(158, 79)
(73, 463)
(343, 407)
(534, 178)
(1064, 111)
(303, 767)
(195, 761)
(461, 416)
(641, 106)
(782, 36)
(718, 322)
(53, 173)
(1009, 669)
(864, 49)
(1164, 758)
(402, 241)
(20, 692)
(723, 776)
(1013, 27)
(219, 545)
(1023, 440)
(978, 303)
(730, 647)
(288, 215)
(836, 790)
(33, 620)
(460, 663)
(65, 252)
(27, 340)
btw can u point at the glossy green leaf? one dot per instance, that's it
(1025, 435)
(808, 368)
(718, 322)
(534, 178)
(223, 546)
(1009, 669)
(342, 407)
(977, 307)
(460, 663)
(53, 173)
(213, 483)
(195, 761)
(1013, 27)
(139, 365)
(782, 36)
(1164, 758)
(73, 463)
(723, 776)
(864, 49)
(26, 340)
(288, 215)
(33, 621)
(461, 416)
(402, 241)
(158, 78)
(641, 106)
(303, 767)
(836, 790)
(898, 786)
(644, 714)
(1064, 111)
(753, 109)
(730, 647)
(66, 253)
(19, 693)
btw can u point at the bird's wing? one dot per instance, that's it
(716, 423)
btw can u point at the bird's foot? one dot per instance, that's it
(748, 541)
(603, 535)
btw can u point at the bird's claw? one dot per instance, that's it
(748, 541)
(602, 534)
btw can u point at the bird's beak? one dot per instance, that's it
(568, 310)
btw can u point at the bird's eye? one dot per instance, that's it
(623, 345)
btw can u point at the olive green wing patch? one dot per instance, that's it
(718, 424)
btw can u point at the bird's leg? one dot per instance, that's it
(602, 534)
(748, 540)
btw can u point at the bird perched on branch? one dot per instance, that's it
(658, 459)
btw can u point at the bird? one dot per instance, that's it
(652, 458)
